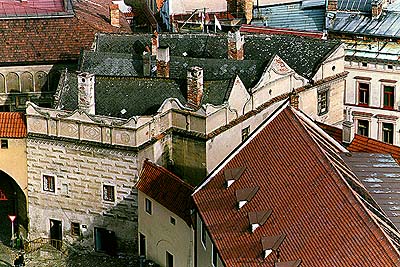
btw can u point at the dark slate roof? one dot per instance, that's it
(296, 17)
(380, 174)
(355, 5)
(303, 54)
(110, 64)
(137, 95)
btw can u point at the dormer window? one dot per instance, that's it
(231, 175)
(271, 243)
(257, 219)
(245, 195)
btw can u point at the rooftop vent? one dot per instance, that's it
(288, 264)
(232, 175)
(245, 195)
(272, 243)
(257, 219)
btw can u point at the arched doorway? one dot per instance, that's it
(12, 202)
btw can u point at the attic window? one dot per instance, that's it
(245, 195)
(390, 67)
(271, 243)
(232, 175)
(364, 64)
(123, 111)
(257, 219)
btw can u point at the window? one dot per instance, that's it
(245, 133)
(322, 102)
(388, 96)
(75, 229)
(148, 206)
(387, 133)
(363, 127)
(390, 67)
(108, 193)
(4, 143)
(169, 259)
(214, 256)
(363, 94)
(364, 64)
(49, 183)
(172, 220)
(203, 234)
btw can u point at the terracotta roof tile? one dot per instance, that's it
(52, 39)
(323, 218)
(12, 125)
(167, 189)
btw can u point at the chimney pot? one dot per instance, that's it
(347, 132)
(332, 5)
(114, 15)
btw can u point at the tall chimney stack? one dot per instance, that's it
(194, 86)
(377, 6)
(163, 62)
(235, 46)
(154, 44)
(114, 15)
(86, 99)
(332, 5)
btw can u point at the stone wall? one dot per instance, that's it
(80, 173)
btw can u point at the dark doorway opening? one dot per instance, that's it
(56, 233)
(142, 244)
(105, 241)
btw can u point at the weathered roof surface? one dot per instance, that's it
(364, 144)
(372, 51)
(308, 17)
(387, 25)
(167, 189)
(312, 196)
(12, 125)
(303, 54)
(334, 132)
(355, 5)
(380, 174)
(49, 39)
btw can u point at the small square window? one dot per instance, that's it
(172, 220)
(4, 143)
(364, 64)
(148, 206)
(108, 193)
(49, 183)
(390, 67)
(75, 229)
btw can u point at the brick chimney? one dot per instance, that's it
(114, 15)
(332, 5)
(377, 6)
(163, 62)
(146, 59)
(86, 101)
(154, 43)
(194, 86)
(235, 46)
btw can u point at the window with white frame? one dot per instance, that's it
(363, 127)
(203, 233)
(148, 206)
(108, 193)
(363, 93)
(387, 132)
(388, 96)
(322, 102)
(214, 257)
(49, 183)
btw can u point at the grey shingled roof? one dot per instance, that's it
(110, 64)
(303, 54)
(355, 5)
(136, 95)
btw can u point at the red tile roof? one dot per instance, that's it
(30, 7)
(323, 218)
(12, 125)
(364, 144)
(167, 189)
(53, 39)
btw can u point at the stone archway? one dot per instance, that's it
(12, 202)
